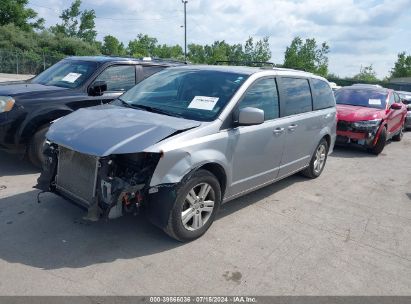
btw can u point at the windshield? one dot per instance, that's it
(66, 74)
(189, 93)
(362, 98)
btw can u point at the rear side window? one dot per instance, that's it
(262, 95)
(323, 96)
(297, 95)
(119, 78)
(396, 97)
(150, 70)
(391, 100)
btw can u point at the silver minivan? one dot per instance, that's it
(187, 139)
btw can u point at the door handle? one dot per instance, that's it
(278, 131)
(292, 127)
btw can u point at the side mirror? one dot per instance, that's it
(396, 106)
(97, 88)
(250, 116)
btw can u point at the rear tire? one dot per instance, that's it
(399, 135)
(379, 146)
(193, 213)
(35, 149)
(318, 160)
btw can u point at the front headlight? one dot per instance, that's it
(6, 103)
(367, 124)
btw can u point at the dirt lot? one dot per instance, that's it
(345, 233)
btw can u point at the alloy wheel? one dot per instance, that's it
(319, 160)
(198, 206)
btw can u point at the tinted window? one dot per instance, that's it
(361, 97)
(119, 78)
(297, 96)
(150, 70)
(186, 92)
(262, 95)
(322, 95)
(66, 74)
(391, 100)
(396, 97)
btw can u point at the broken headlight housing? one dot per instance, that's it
(6, 103)
(367, 124)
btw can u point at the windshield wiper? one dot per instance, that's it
(126, 104)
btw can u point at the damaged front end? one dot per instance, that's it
(364, 133)
(107, 186)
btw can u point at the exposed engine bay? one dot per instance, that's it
(107, 186)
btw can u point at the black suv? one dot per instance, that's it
(27, 108)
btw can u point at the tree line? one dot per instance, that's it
(75, 34)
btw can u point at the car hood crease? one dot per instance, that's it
(110, 129)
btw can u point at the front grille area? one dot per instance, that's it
(76, 175)
(344, 125)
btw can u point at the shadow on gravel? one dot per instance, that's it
(355, 152)
(15, 165)
(52, 235)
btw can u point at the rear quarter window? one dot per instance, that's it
(150, 70)
(297, 95)
(323, 96)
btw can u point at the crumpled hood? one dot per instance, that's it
(110, 129)
(22, 88)
(356, 113)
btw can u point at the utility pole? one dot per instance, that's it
(185, 28)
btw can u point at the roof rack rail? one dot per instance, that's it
(246, 63)
(149, 59)
(171, 60)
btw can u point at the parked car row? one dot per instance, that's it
(185, 140)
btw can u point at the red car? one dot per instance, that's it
(369, 115)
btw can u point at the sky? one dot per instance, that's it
(359, 32)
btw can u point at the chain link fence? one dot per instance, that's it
(26, 62)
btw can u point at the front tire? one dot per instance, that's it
(35, 149)
(318, 160)
(400, 134)
(197, 202)
(379, 146)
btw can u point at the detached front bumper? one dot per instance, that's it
(348, 134)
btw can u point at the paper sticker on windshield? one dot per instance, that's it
(203, 103)
(376, 102)
(71, 77)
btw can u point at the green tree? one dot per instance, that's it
(112, 46)
(258, 52)
(223, 51)
(143, 46)
(169, 51)
(196, 53)
(366, 74)
(332, 76)
(307, 55)
(15, 11)
(402, 67)
(77, 23)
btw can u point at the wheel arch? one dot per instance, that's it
(39, 119)
(218, 171)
